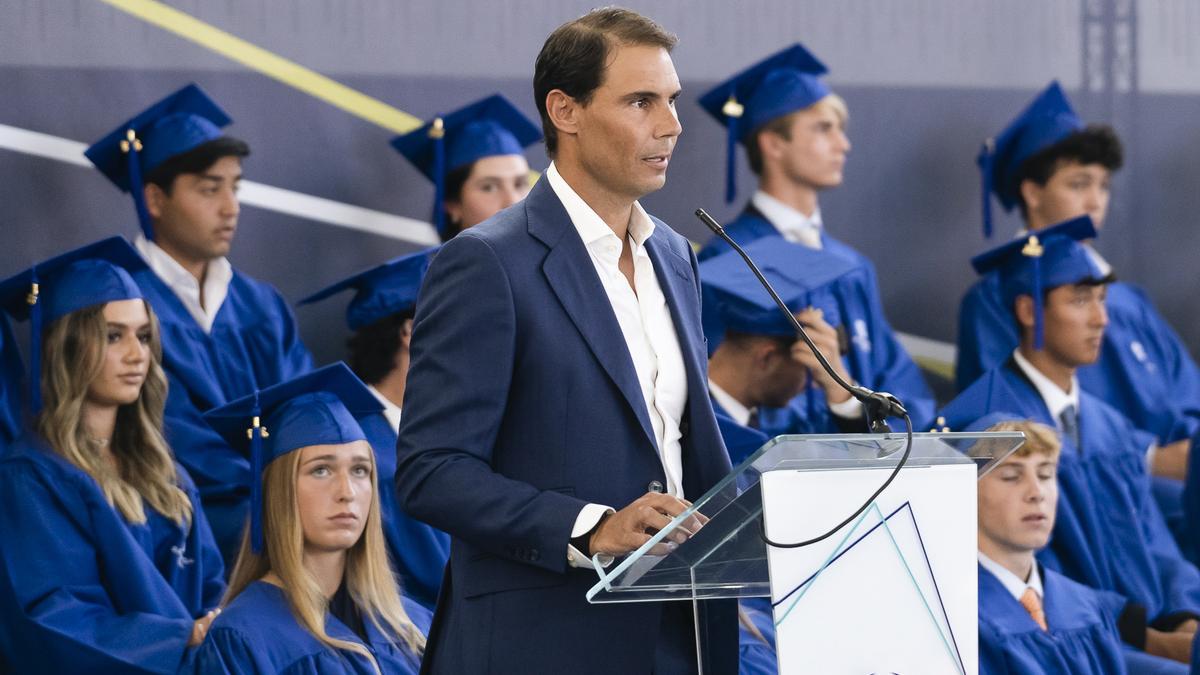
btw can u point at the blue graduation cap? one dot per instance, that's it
(988, 401)
(180, 122)
(90, 275)
(383, 290)
(1041, 261)
(782, 83)
(802, 277)
(320, 408)
(1047, 120)
(485, 128)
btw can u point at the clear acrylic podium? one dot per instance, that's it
(892, 591)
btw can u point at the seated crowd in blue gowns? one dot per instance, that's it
(109, 565)
(1110, 534)
(312, 591)
(224, 334)
(1053, 167)
(782, 104)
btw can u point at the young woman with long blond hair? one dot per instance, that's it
(312, 590)
(108, 565)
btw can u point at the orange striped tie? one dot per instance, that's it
(1033, 604)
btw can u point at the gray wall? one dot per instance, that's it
(926, 81)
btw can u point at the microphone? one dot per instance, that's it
(878, 406)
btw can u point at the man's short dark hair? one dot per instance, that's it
(454, 182)
(372, 348)
(197, 160)
(575, 55)
(1097, 144)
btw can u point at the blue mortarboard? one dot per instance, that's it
(319, 408)
(1041, 261)
(1047, 120)
(485, 128)
(802, 277)
(782, 83)
(974, 408)
(383, 290)
(91, 275)
(178, 123)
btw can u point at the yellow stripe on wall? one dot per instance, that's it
(272, 65)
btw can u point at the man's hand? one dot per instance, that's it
(825, 337)
(1188, 626)
(1171, 460)
(1175, 645)
(200, 628)
(627, 529)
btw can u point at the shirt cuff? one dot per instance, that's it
(851, 408)
(587, 519)
(1151, 450)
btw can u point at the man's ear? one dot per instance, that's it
(156, 199)
(563, 112)
(406, 333)
(1031, 194)
(1023, 308)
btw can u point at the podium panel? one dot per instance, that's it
(894, 590)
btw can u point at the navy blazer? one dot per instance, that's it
(522, 406)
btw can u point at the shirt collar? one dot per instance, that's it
(588, 223)
(390, 410)
(783, 216)
(1055, 398)
(732, 406)
(1011, 582)
(173, 274)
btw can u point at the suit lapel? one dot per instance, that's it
(572, 277)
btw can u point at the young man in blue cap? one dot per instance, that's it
(475, 159)
(758, 363)
(794, 130)
(557, 408)
(1110, 534)
(224, 333)
(381, 316)
(1052, 167)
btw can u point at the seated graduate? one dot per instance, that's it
(1033, 619)
(1052, 167)
(224, 333)
(312, 591)
(794, 130)
(475, 157)
(381, 316)
(108, 565)
(1109, 533)
(760, 372)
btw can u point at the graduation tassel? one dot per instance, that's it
(35, 344)
(256, 432)
(1033, 249)
(437, 131)
(131, 146)
(733, 112)
(985, 171)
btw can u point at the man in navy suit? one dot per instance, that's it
(556, 406)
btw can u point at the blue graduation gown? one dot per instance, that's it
(756, 657)
(1145, 371)
(876, 359)
(1109, 534)
(1081, 639)
(254, 343)
(418, 552)
(11, 375)
(81, 589)
(257, 633)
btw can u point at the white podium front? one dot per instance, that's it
(893, 591)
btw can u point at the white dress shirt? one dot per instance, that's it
(185, 286)
(1055, 398)
(733, 407)
(792, 225)
(1011, 582)
(391, 411)
(648, 329)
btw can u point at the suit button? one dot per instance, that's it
(684, 428)
(655, 486)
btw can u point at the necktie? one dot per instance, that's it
(1070, 424)
(1033, 604)
(753, 421)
